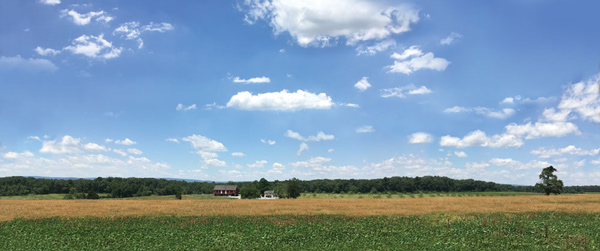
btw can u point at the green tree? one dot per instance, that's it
(92, 195)
(549, 183)
(293, 188)
(263, 185)
(250, 192)
(178, 195)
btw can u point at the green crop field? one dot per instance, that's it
(497, 231)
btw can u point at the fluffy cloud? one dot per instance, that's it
(94, 47)
(133, 30)
(46, 52)
(278, 168)
(320, 23)
(119, 152)
(258, 164)
(303, 147)
(34, 138)
(365, 129)
(84, 19)
(238, 154)
(207, 149)
(402, 92)
(135, 151)
(453, 37)
(126, 142)
(461, 154)
(320, 136)
(362, 84)
(172, 140)
(14, 155)
(503, 114)
(68, 145)
(479, 138)
(541, 129)
(413, 59)
(82, 165)
(583, 98)
(420, 138)
(280, 101)
(22, 64)
(571, 149)
(94, 147)
(50, 2)
(204, 144)
(257, 80)
(181, 107)
(377, 47)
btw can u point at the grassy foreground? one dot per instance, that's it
(496, 231)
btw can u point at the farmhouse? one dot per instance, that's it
(269, 194)
(225, 190)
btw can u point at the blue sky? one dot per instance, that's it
(239, 90)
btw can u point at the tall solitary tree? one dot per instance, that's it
(263, 185)
(549, 182)
(293, 188)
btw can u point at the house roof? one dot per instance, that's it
(225, 187)
(269, 191)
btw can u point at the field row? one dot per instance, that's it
(495, 231)
(303, 196)
(35, 209)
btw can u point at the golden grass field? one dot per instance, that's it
(10, 209)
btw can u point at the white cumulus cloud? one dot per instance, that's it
(362, 84)
(420, 138)
(207, 149)
(461, 154)
(365, 129)
(46, 52)
(94, 47)
(321, 23)
(571, 150)
(50, 2)
(320, 136)
(258, 164)
(413, 59)
(133, 30)
(181, 107)
(126, 142)
(377, 47)
(303, 147)
(135, 151)
(238, 154)
(257, 80)
(86, 18)
(280, 101)
(402, 92)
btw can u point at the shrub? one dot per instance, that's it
(92, 195)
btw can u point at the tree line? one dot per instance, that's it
(112, 187)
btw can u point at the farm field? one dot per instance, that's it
(528, 222)
(485, 231)
(304, 196)
(35, 209)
